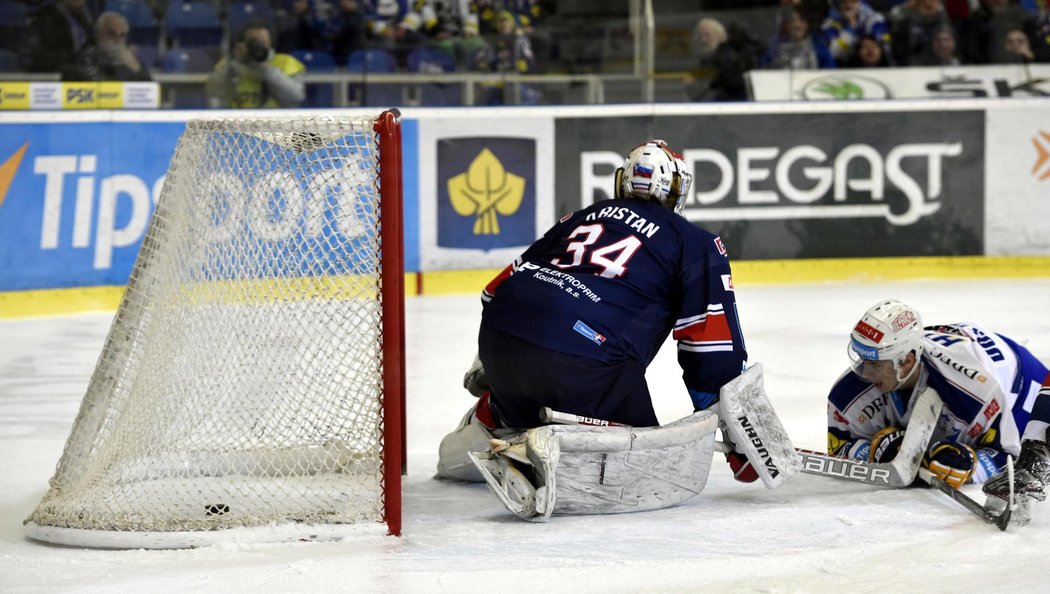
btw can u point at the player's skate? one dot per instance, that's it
(1028, 481)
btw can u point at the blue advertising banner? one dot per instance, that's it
(76, 199)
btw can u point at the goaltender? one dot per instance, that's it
(573, 323)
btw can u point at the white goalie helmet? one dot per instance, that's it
(653, 171)
(887, 332)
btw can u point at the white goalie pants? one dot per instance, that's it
(470, 436)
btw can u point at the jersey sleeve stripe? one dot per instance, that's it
(490, 289)
(706, 347)
(709, 328)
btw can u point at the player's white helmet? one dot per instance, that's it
(887, 332)
(653, 171)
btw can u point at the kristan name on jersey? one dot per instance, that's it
(629, 217)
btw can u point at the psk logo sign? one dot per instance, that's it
(1041, 142)
(80, 95)
(486, 192)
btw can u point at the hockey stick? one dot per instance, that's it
(887, 474)
(551, 416)
(901, 472)
(971, 505)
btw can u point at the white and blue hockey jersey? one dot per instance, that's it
(988, 383)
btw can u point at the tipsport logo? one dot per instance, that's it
(486, 192)
(8, 170)
(1041, 168)
(106, 211)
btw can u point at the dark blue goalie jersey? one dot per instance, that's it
(611, 281)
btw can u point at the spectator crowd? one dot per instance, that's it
(257, 51)
(812, 34)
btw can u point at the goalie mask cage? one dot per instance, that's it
(251, 386)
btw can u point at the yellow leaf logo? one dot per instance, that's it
(8, 170)
(485, 190)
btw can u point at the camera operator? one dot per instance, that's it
(254, 76)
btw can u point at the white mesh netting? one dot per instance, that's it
(241, 381)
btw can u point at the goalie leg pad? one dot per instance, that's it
(603, 470)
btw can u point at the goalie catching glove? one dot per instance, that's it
(951, 462)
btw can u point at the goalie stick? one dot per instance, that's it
(549, 415)
(813, 462)
(923, 422)
(901, 472)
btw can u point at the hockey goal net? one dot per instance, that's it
(251, 386)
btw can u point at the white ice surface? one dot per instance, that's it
(811, 535)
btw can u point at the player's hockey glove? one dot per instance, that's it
(1031, 474)
(475, 380)
(951, 462)
(885, 445)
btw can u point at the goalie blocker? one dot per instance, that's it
(593, 467)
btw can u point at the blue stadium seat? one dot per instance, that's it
(144, 30)
(9, 61)
(13, 22)
(317, 95)
(13, 13)
(148, 54)
(188, 59)
(430, 60)
(193, 24)
(138, 13)
(242, 12)
(371, 60)
(315, 60)
(375, 61)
